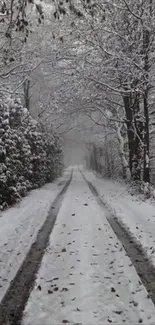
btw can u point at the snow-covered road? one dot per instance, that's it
(137, 216)
(85, 275)
(19, 227)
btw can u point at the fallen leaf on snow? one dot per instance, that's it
(62, 303)
(118, 312)
(135, 303)
(56, 289)
(64, 289)
(65, 321)
(50, 292)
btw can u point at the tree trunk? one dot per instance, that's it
(138, 140)
(146, 41)
(129, 117)
(146, 174)
(134, 133)
(94, 158)
(125, 165)
(27, 94)
(107, 163)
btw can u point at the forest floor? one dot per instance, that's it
(78, 253)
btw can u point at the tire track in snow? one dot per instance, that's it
(14, 301)
(144, 267)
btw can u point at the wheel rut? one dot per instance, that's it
(15, 299)
(144, 267)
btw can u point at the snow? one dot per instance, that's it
(19, 227)
(137, 216)
(85, 276)
(147, 160)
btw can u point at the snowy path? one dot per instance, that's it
(19, 227)
(137, 216)
(85, 276)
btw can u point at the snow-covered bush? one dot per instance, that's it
(29, 156)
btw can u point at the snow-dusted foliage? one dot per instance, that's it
(29, 156)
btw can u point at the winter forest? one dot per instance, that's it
(77, 162)
(82, 68)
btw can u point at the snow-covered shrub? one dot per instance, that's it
(29, 156)
(143, 190)
(147, 190)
